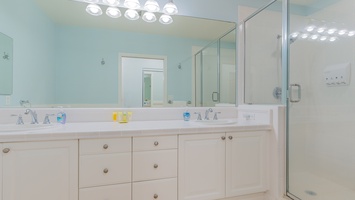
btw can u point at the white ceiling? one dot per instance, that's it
(67, 12)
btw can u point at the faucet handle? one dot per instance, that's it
(215, 117)
(46, 119)
(19, 119)
(198, 116)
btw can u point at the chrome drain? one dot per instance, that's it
(309, 192)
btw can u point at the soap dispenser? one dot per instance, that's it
(61, 116)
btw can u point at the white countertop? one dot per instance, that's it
(85, 130)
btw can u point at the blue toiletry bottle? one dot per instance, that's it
(61, 116)
(186, 115)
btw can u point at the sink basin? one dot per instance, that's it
(23, 127)
(216, 122)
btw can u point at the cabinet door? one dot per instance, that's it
(201, 167)
(40, 171)
(246, 163)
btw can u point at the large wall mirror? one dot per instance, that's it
(64, 56)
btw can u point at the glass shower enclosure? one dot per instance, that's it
(215, 67)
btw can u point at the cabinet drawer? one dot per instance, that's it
(154, 143)
(96, 170)
(150, 165)
(160, 189)
(111, 192)
(104, 146)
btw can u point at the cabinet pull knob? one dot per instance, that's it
(105, 170)
(156, 143)
(105, 146)
(155, 196)
(223, 137)
(6, 150)
(156, 166)
(230, 137)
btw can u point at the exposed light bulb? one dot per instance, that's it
(351, 33)
(149, 17)
(94, 10)
(332, 39)
(112, 3)
(166, 19)
(314, 37)
(331, 31)
(113, 12)
(310, 28)
(131, 14)
(170, 8)
(132, 4)
(151, 6)
(304, 36)
(323, 38)
(342, 32)
(321, 29)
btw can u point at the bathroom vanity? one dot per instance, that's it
(140, 160)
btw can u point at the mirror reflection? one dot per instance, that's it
(73, 59)
(6, 63)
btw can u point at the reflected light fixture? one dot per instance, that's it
(166, 19)
(351, 33)
(342, 32)
(149, 17)
(91, 1)
(151, 6)
(131, 14)
(314, 37)
(304, 36)
(94, 10)
(332, 39)
(321, 29)
(112, 3)
(323, 38)
(132, 4)
(170, 8)
(310, 28)
(295, 34)
(113, 12)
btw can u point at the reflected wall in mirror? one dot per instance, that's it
(60, 48)
(6, 65)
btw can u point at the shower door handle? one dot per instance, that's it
(215, 96)
(299, 89)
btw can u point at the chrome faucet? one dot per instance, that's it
(207, 113)
(33, 116)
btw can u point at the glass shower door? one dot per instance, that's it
(321, 107)
(210, 76)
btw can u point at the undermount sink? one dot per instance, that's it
(24, 127)
(216, 122)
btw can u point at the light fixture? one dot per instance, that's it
(342, 32)
(131, 14)
(323, 38)
(94, 10)
(149, 17)
(304, 36)
(165, 19)
(332, 39)
(151, 6)
(351, 33)
(112, 3)
(132, 4)
(113, 12)
(310, 28)
(170, 8)
(295, 34)
(321, 29)
(314, 37)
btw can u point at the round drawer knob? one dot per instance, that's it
(156, 143)
(223, 137)
(155, 196)
(6, 150)
(230, 137)
(105, 170)
(105, 146)
(156, 166)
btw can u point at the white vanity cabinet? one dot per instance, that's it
(105, 169)
(40, 170)
(154, 168)
(222, 165)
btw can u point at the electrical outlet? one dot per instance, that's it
(7, 100)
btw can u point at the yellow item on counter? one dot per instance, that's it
(114, 116)
(124, 117)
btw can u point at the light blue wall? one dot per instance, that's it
(82, 78)
(33, 37)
